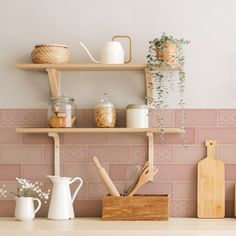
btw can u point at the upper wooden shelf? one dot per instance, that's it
(82, 67)
(89, 67)
(97, 130)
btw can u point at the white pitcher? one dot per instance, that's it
(112, 52)
(25, 208)
(61, 204)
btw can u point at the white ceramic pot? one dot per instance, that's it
(25, 208)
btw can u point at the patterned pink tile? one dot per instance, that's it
(227, 117)
(127, 139)
(21, 118)
(83, 119)
(139, 154)
(227, 153)
(176, 173)
(229, 190)
(119, 172)
(120, 118)
(39, 139)
(229, 208)
(190, 154)
(81, 195)
(10, 187)
(157, 188)
(37, 172)
(9, 171)
(183, 209)
(7, 208)
(185, 190)
(222, 135)
(110, 153)
(166, 114)
(230, 173)
(68, 153)
(189, 136)
(196, 117)
(96, 191)
(9, 136)
(88, 208)
(21, 154)
(87, 172)
(86, 138)
(163, 154)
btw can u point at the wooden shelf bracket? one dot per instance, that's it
(54, 82)
(56, 139)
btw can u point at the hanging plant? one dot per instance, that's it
(165, 59)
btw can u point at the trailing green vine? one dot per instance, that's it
(164, 55)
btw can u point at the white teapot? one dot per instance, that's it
(112, 52)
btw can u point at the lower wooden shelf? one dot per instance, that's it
(54, 133)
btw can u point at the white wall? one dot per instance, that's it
(210, 59)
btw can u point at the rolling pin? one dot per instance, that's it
(105, 178)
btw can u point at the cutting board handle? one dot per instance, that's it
(211, 148)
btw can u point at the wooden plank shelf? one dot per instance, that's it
(98, 130)
(82, 67)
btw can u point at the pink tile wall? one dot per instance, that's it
(31, 156)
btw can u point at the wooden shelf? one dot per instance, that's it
(82, 67)
(97, 130)
(54, 133)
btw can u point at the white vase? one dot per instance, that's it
(25, 208)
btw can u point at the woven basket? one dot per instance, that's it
(50, 54)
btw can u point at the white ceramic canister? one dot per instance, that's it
(137, 116)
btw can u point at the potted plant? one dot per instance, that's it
(27, 193)
(165, 59)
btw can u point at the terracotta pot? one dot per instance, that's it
(167, 54)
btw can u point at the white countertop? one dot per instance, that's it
(97, 227)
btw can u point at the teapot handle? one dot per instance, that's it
(125, 36)
(78, 188)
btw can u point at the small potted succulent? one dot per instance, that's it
(165, 59)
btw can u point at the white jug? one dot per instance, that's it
(61, 204)
(112, 52)
(25, 208)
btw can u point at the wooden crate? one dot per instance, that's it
(137, 207)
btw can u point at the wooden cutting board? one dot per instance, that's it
(211, 185)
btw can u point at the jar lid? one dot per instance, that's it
(62, 98)
(137, 106)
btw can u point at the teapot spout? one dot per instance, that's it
(91, 57)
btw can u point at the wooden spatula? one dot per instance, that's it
(211, 185)
(146, 175)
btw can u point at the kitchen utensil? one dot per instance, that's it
(105, 178)
(147, 174)
(112, 52)
(132, 178)
(210, 185)
(61, 204)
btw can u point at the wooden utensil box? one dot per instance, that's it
(137, 207)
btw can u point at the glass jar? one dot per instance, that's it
(62, 112)
(105, 113)
(137, 116)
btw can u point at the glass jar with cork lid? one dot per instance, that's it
(62, 112)
(105, 113)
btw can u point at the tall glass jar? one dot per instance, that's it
(105, 113)
(62, 112)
